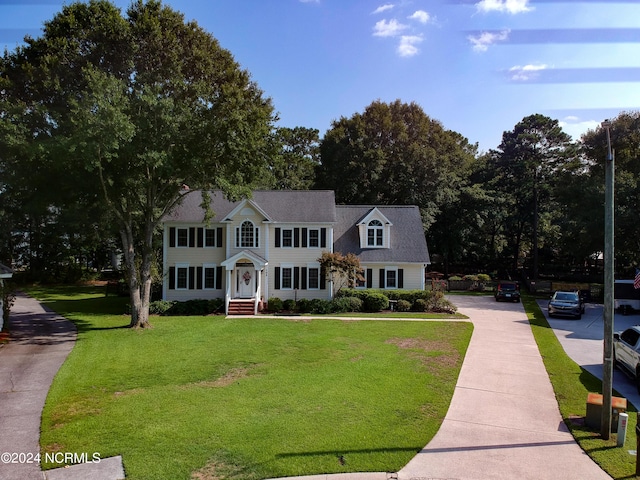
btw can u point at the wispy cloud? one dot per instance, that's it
(383, 8)
(407, 47)
(484, 40)
(390, 28)
(504, 6)
(420, 15)
(527, 72)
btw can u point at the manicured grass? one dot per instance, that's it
(217, 397)
(571, 385)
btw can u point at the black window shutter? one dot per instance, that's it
(172, 278)
(369, 277)
(192, 278)
(400, 278)
(199, 278)
(200, 237)
(303, 278)
(296, 237)
(219, 237)
(192, 237)
(323, 279)
(218, 278)
(382, 279)
(172, 237)
(277, 278)
(323, 238)
(296, 277)
(277, 237)
(305, 235)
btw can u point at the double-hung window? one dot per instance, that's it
(182, 235)
(210, 237)
(391, 278)
(286, 278)
(287, 237)
(313, 274)
(375, 232)
(182, 276)
(209, 275)
(314, 238)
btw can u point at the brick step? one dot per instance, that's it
(241, 307)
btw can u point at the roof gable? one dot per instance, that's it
(374, 214)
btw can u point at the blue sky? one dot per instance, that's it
(478, 67)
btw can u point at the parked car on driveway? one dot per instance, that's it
(626, 352)
(566, 304)
(507, 290)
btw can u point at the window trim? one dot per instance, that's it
(185, 267)
(255, 235)
(205, 267)
(214, 234)
(375, 234)
(386, 278)
(289, 239)
(283, 267)
(317, 239)
(186, 237)
(317, 267)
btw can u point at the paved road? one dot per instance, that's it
(582, 340)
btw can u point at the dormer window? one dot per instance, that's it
(374, 230)
(375, 234)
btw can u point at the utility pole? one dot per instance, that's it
(607, 364)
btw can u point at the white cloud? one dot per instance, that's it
(407, 47)
(508, 6)
(526, 72)
(420, 15)
(576, 127)
(482, 42)
(388, 29)
(383, 8)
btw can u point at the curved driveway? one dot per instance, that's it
(503, 421)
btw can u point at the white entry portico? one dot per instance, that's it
(245, 278)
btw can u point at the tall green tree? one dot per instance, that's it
(524, 166)
(295, 166)
(394, 153)
(138, 110)
(625, 141)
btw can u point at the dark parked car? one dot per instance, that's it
(508, 291)
(566, 304)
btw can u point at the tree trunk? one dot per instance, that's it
(139, 315)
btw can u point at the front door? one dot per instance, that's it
(246, 281)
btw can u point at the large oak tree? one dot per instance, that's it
(128, 110)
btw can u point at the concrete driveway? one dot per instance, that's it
(583, 341)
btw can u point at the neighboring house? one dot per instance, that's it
(269, 246)
(5, 273)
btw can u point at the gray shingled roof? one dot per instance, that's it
(408, 243)
(282, 206)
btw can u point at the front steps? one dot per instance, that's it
(241, 307)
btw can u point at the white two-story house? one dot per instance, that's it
(269, 245)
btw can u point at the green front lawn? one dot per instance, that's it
(214, 397)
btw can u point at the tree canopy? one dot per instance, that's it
(129, 113)
(394, 153)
